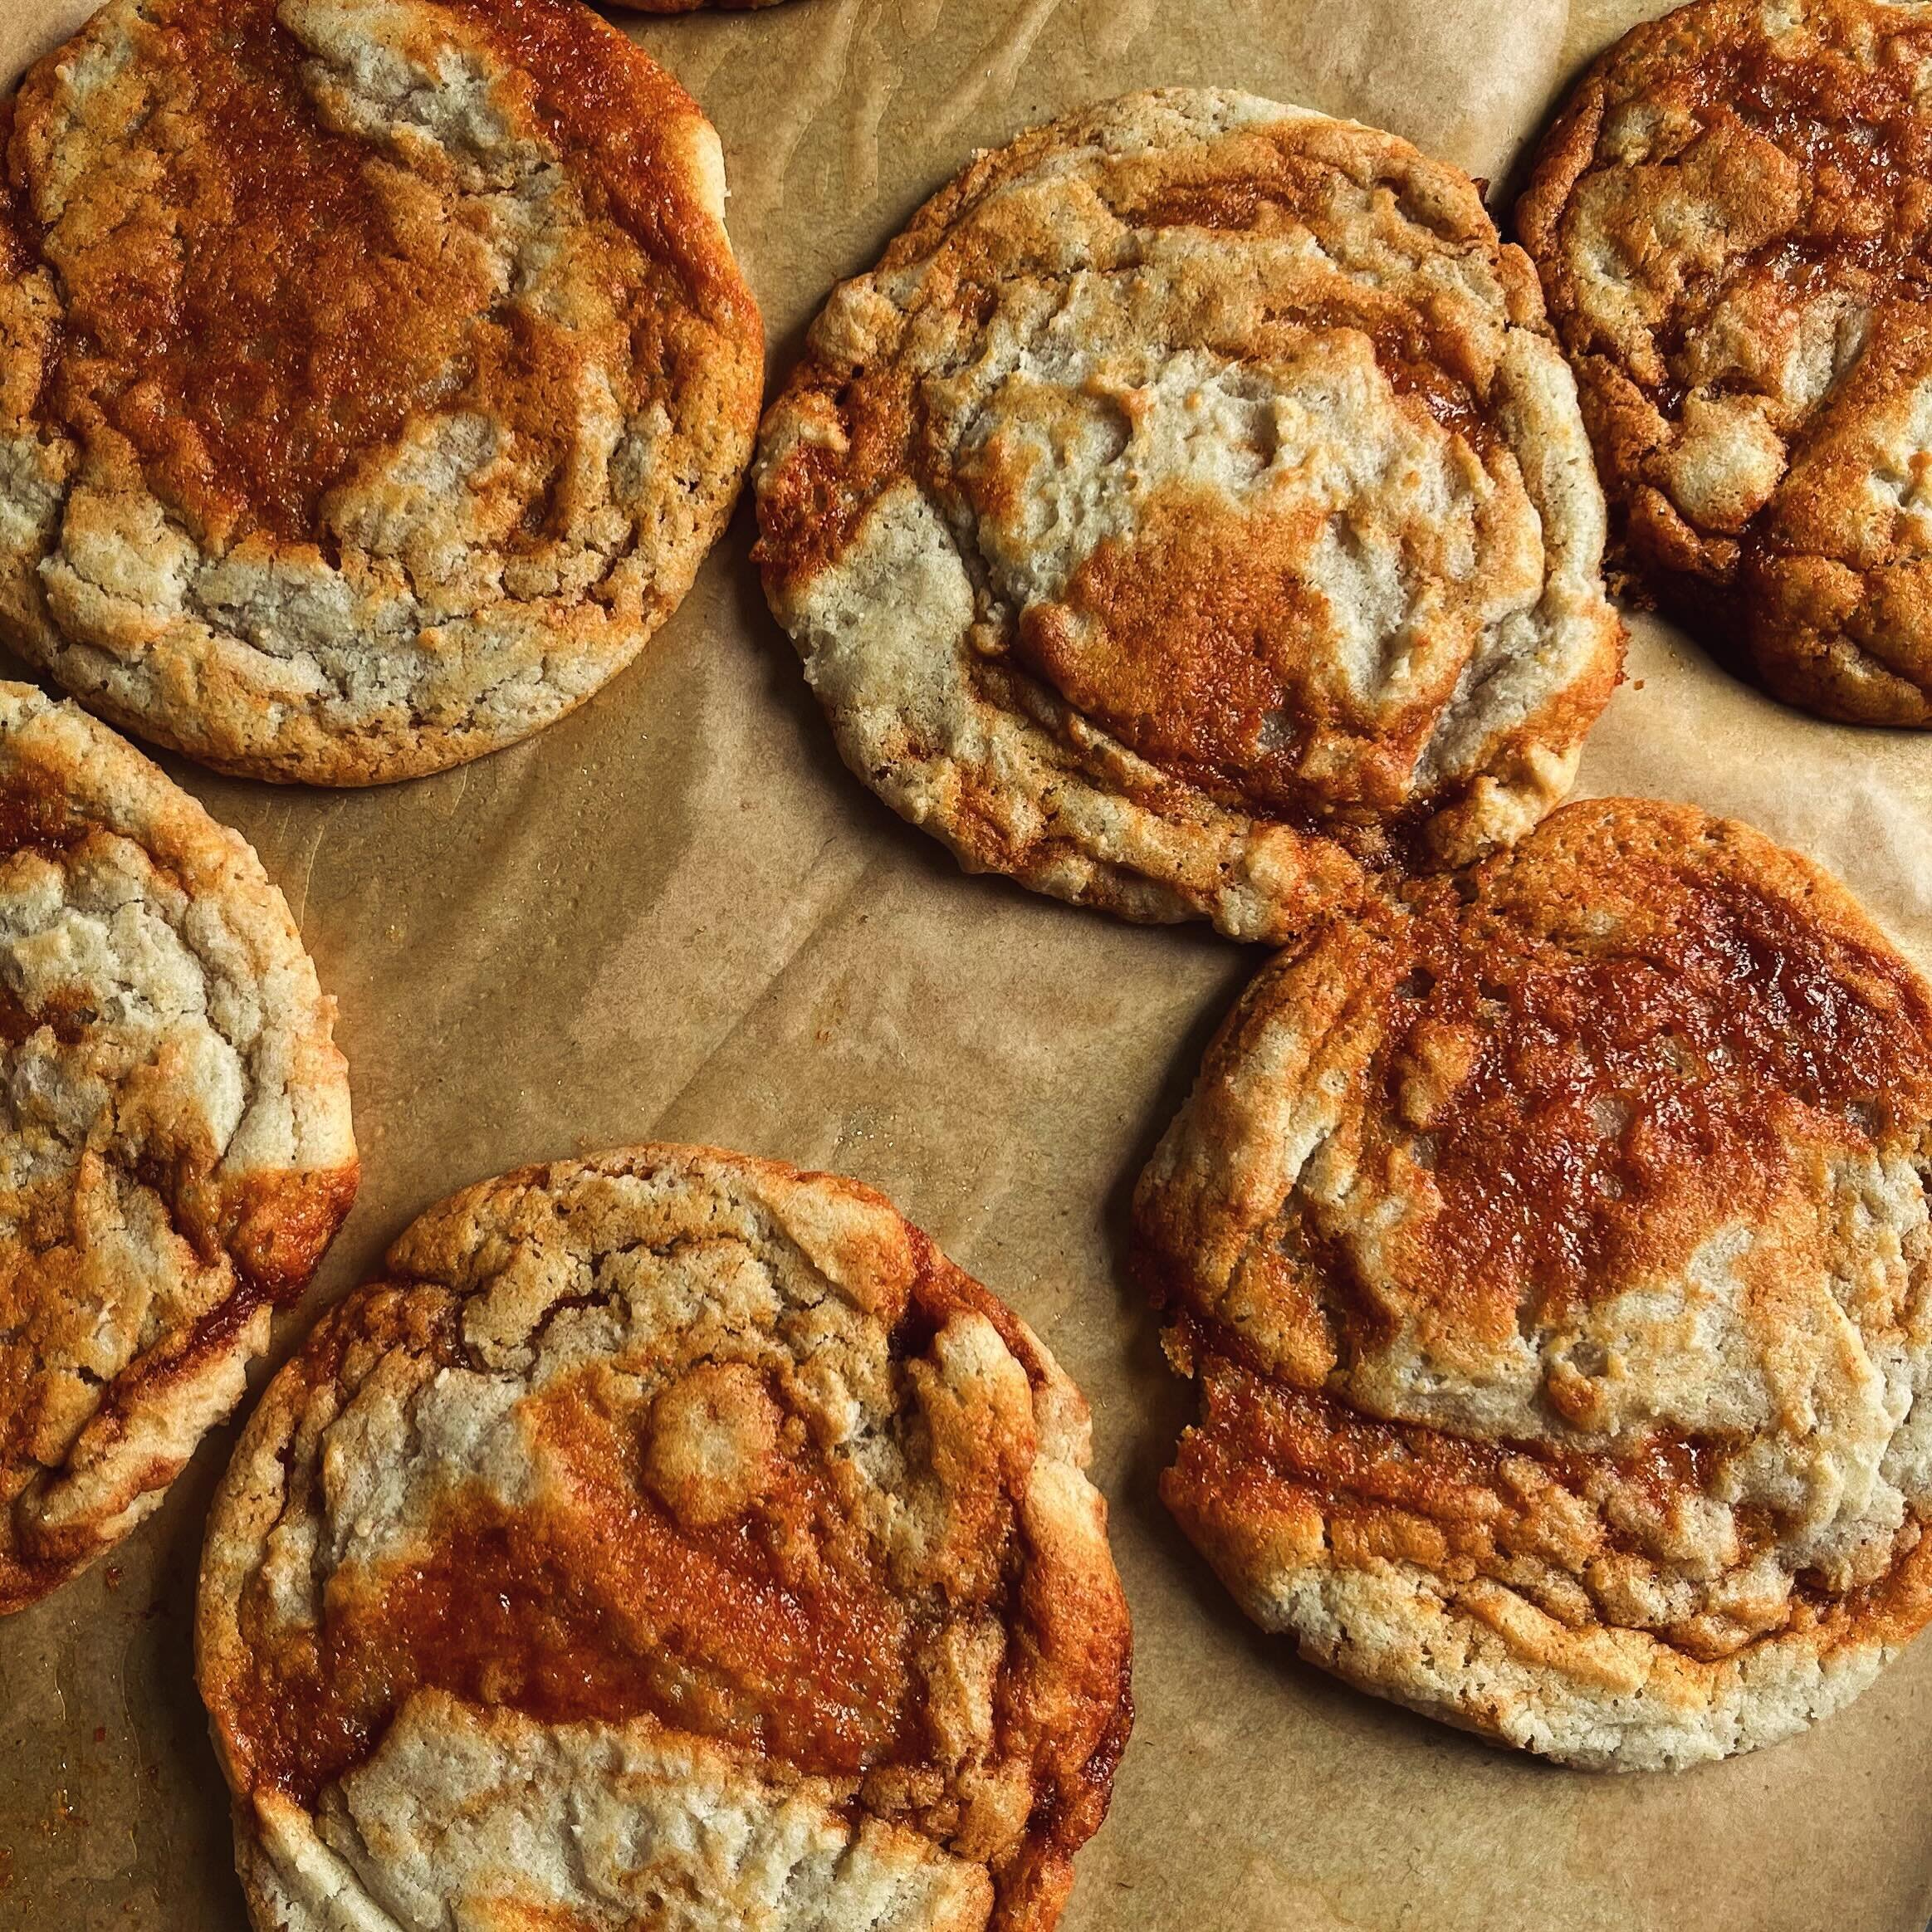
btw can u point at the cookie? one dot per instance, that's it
(1190, 516)
(374, 374)
(668, 1538)
(175, 1150)
(1733, 237)
(1553, 1257)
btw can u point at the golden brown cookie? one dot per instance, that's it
(1734, 235)
(175, 1150)
(374, 374)
(1554, 1263)
(667, 1539)
(1190, 516)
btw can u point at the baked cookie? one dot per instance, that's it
(669, 1538)
(1191, 516)
(1553, 1261)
(374, 374)
(175, 1149)
(1736, 238)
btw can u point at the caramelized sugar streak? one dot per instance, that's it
(19, 232)
(1405, 1493)
(1256, 1433)
(1863, 150)
(1607, 1086)
(1275, 199)
(292, 332)
(1180, 643)
(773, 1632)
(278, 326)
(610, 109)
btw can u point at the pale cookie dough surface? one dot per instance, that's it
(1553, 1260)
(1191, 516)
(374, 374)
(1732, 225)
(175, 1149)
(669, 1539)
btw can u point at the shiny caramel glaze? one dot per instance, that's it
(1731, 215)
(639, 1581)
(257, 349)
(1179, 641)
(1612, 1105)
(1551, 1239)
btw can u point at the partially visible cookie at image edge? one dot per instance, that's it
(1190, 516)
(175, 1145)
(374, 374)
(1730, 222)
(665, 1523)
(1554, 1262)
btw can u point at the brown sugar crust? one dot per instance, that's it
(1553, 1257)
(1189, 515)
(372, 402)
(671, 1457)
(693, 6)
(174, 1117)
(1734, 234)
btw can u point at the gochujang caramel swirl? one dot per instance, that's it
(1191, 516)
(175, 1147)
(1553, 1254)
(1732, 225)
(374, 374)
(692, 1495)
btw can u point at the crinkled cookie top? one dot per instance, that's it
(374, 374)
(175, 1149)
(1191, 515)
(1734, 233)
(669, 1538)
(1554, 1260)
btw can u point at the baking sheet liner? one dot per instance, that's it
(674, 914)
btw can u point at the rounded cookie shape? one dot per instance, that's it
(1553, 1260)
(1734, 238)
(175, 1149)
(374, 374)
(1190, 516)
(668, 1537)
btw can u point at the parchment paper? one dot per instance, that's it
(675, 915)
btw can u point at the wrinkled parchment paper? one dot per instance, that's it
(675, 915)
